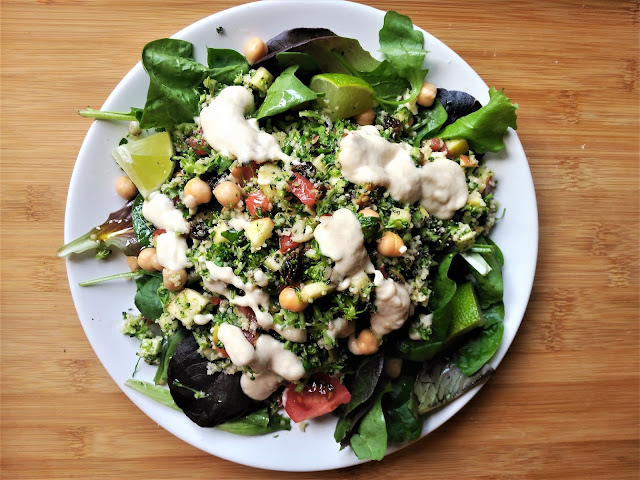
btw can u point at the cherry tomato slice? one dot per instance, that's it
(304, 190)
(199, 145)
(321, 395)
(243, 172)
(286, 244)
(257, 203)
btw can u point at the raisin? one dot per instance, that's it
(199, 231)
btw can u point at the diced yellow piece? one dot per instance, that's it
(186, 305)
(218, 229)
(457, 147)
(315, 290)
(259, 231)
(270, 177)
(262, 80)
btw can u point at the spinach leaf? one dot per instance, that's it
(443, 291)
(370, 442)
(361, 384)
(400, 412)
(174, 78)
(308, 65)
(490, 287)
(429, 122)
(146, 299)
(143, 229)
(404, 49)
(259, 422)
(385, 81)
(483, 344)
(286, 92)
(226, 64)
(154, 392)
(485, 128)
(169, 346)
(441, 382)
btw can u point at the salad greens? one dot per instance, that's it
(266, 244)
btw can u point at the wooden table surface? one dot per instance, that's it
(564, 403)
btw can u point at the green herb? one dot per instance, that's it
(286, 92)
(220, 30)
(231, 235)
(484, 129)
(159, 394)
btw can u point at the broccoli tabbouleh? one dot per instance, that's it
(294, 255)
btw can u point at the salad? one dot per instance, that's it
(307, 228)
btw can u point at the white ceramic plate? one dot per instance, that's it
(91, 198)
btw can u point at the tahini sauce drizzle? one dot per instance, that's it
(440, 186)
(226, 130)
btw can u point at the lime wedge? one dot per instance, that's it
(465, 311)
(344, 95)
(147, 162)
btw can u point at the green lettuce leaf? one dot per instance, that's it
(484, 129)
(286, 92)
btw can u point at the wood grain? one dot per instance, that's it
(565, 401)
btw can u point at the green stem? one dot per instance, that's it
(104, 115)
(159, 394)
(115, 276)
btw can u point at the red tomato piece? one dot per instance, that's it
(286, 244)
(304, 190)
(221, 351)
(243, 172)
(257, 201)
(321, 395)
(158, 231)
(215, 300)
(199, 145)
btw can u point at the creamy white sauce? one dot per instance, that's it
(254, 298)
(171, 250)
(226, 130)
(269, 359)
(340, 328)
(440, 186)
(202, 318)
(393, 304)
(340, 238)
(160, 211)
(260, 278)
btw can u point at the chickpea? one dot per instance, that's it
(367, 343)
(174, 280)
(133, 264)
(289, 300)
(369, 212)
(427, 94)
(255, 49)
(134, 128)
(393, 366)
(391, 245)
(126, 188)
(365, 118)
(148, 260)
(199, 190)
(228, 194)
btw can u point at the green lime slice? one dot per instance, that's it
(344, 95)
(465, 311)
(147, 162)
